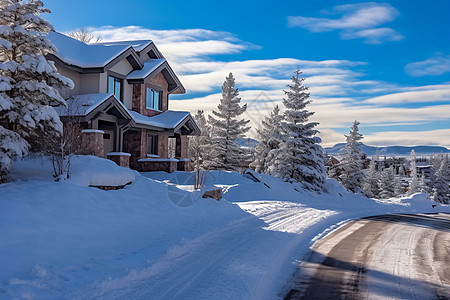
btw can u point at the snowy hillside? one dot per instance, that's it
(391, 150)
(65, 240)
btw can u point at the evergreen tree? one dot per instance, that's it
(29, 84)
(388, 184)
(300, 157)
(226, 153)
(371, 180)
(414, 185)
(269, 135)
(352, 176)
(200, 145)
(441, 188)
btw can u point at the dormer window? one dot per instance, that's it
(154, 99)
(115, 87)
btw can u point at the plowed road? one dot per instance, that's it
(381, 257)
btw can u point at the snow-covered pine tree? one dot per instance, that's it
(414, 185)
(388, 184)
(352, 176)
(371, 180)
(227, 128)
(441, 188)
(269, 135)
(300, 157)
(199, 145)
(29, 84)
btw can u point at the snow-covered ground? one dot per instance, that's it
(65, 240)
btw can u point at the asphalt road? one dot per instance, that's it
(382, 257)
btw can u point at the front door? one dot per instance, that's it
(108, 141)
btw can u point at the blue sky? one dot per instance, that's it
(385, 63)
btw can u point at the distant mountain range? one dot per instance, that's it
(248, 142)
(391, 150)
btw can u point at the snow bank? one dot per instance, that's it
(84, 171)
(65, 240)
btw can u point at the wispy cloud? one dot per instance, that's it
(179, 45)
(409, 138)
(437, 65)
(356, 21)
(338, 89)
(438, 93)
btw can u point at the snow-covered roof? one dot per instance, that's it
(168, 120)
(83, 105)
(149, 67)
(76, 53)
(137, 45)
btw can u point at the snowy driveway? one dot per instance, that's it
(382, 257)
(228, 263)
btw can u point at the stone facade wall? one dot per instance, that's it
(143, 146)
(132, 145)
(120, 160)
(166, 166)
(184, 146)
(92, 143)
(163, 145)
(138, 99)
(185, 166)
(139, 96)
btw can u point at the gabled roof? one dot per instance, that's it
(88, 56)
(137, 45)
(149, 68)
(89, 105)
(94, 58)
(168, 120)
(153, 67)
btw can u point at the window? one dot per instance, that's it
(154, 99)
(115, 87)
(152, 144)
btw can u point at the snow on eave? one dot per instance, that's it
(168, 120)
(153, 67)
(150, 67)
(84, 105)
(77, 54)
(138, 45)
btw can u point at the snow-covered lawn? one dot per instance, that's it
(65, 240)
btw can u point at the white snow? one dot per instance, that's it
(92, 131)
(168, 119)
(138, 45)
(82, 105)
(149, 68)
(64, 240)
(118, 154)
(76, 53)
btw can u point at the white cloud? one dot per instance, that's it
(374, 35)
(436, 65)
(409, 138)
(438, 93)
(179, 44)
(357, 21)
(333, 83)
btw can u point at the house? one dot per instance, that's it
(121, 101)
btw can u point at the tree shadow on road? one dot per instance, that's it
(433, 221)
(350, 283)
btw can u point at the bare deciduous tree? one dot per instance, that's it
(84, 35)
